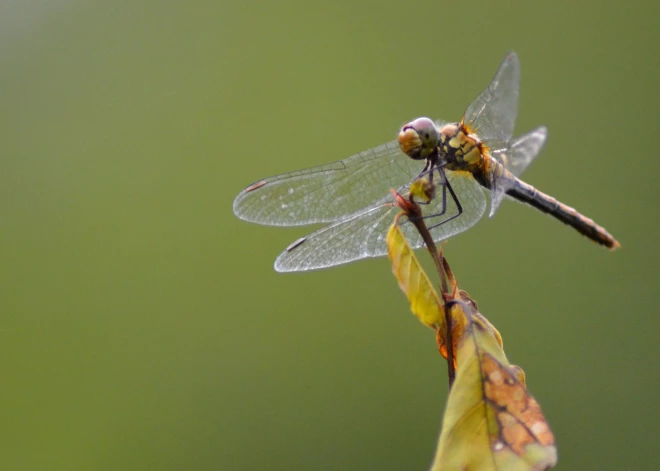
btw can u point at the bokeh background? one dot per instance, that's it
(142, 325)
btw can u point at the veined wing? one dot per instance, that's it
(363, 233)
(329, 192)
(493, 114)
(519, 154)
(522, 150)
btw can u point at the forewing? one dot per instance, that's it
(362, 234)
(329, 192)
(493, 114)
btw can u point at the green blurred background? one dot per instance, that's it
(143, 326)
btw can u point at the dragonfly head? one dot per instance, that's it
(419, 138)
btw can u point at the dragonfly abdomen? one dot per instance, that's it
(528, 194)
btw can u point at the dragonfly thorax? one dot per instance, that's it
(419, 139)
(459, 148)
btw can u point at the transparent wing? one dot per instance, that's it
(363, 233)
(329, 192)
(493, 114)
(521, 152)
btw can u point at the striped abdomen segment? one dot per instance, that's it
(585, 226)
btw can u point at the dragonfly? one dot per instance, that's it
(461, 160)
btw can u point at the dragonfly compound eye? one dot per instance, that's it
(419, 138)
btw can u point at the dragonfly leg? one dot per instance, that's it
(428, 169)
(444, 201)
(446, 186)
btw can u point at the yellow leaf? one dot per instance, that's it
(491, 421)
(422, 189)
(424, 301)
